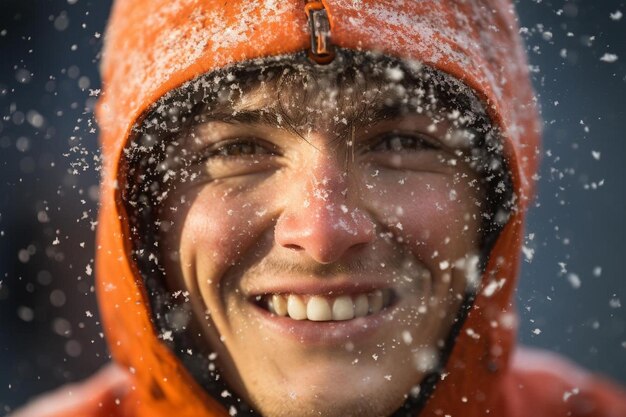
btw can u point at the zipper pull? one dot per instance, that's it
(322, 51)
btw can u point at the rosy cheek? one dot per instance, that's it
(220, 226)
(426, 214)
(205, 237)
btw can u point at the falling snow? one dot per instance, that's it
(569, 251)
(607, 57)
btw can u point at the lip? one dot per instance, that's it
(313, 288)
(323, 333)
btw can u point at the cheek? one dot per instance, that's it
(220, 226)
(427, 212)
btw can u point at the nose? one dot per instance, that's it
(322, 218)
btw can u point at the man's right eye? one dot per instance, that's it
(238, 157)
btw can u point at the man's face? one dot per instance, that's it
(325, 252)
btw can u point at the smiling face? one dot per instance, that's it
(325, 231)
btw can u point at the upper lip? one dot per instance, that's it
(321, 287)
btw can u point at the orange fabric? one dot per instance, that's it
(155, 46)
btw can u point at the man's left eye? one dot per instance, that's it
(242, 147)
(399, 142)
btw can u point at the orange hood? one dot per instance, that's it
(154, 47)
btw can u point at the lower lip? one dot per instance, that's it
(324, 333)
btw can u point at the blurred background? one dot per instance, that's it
(572, 287)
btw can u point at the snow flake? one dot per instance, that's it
(568, 394)
(394, 74)
(617, 15)
(529, 253)
(427, 359)
(492, 287)
(25, 313)
(471, 333)
(574, 280)
(609, 58)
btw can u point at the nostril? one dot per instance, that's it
(359, 246)
(293, 247)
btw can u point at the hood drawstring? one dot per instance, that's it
(321, 50)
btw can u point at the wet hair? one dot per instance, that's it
(156, 159)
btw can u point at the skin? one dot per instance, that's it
(272, 204)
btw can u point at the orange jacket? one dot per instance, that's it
(155, 46)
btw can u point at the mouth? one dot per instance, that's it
(326, 319)
(326, 308)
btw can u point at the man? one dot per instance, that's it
(316, 208)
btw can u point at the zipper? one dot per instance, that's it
(321, 51)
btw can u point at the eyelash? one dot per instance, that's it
(241, 148)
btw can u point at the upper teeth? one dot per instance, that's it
(322, 308)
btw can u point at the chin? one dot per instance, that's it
(371, 402)
(333, 391)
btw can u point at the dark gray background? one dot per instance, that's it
(572, 287)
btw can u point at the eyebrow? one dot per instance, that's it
(254, 116)
(273, 117)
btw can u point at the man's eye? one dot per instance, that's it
(238, 157)
(397, 142)
(240, 148)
